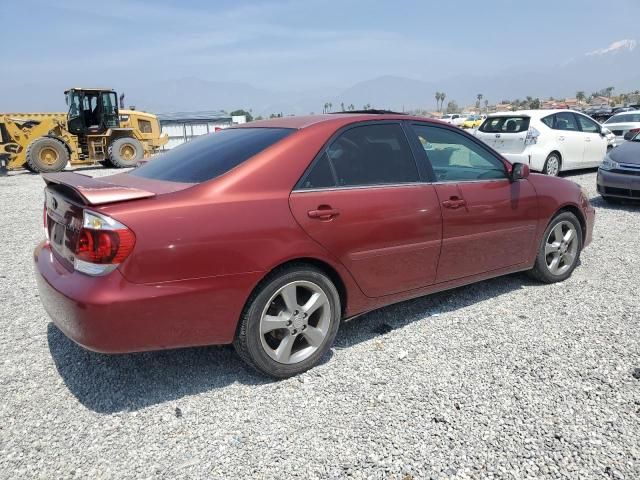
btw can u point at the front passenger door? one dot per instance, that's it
(488, 221)
(595, 145)
(570, 139)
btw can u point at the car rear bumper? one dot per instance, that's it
(112, 315)
(612, 184)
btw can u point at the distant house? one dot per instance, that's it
(184, 126)
(599, 100)
(503, 107)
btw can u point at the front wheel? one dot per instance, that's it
(559, 250)
(290, 322)
(125, 152)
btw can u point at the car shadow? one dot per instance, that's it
(615, 204)
(129, 382)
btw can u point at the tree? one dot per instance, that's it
(580, 96)
(342, 106)
(442, 97)
(237, 113)
(535, 104)
(609, 91)
(325, 107)
(479, 97)
(438, 101)
(452, 107)
(330, 106)
(351, 107)
(366, 106)
(486, 105)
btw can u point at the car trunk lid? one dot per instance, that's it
(68, 194)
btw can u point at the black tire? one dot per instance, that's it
(125, 152)
(47, 154)
(106, 163)
(248, 341)
(549, 168)
(540, 270)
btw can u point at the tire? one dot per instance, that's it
(552, 165)
(269, 323)
(125, 152)
(47, 154)
(567, 252)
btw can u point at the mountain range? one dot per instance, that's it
(617, 65)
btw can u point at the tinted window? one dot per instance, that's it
(565, 121)
(372, 155)
(506, 124)
(548, 121)
(624, 117)
(588, 125)
(210, 155)
(454, 157)
(320, 175)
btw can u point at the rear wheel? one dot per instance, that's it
(290, 322)
(552, 165)
(47, 154)
(559, 250)
(125, 152)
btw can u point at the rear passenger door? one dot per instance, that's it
(364, 200)
(488, 221)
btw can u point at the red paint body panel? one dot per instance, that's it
(494, 228)
(202, 249)
(388, 237)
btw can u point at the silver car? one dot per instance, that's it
(622, 123)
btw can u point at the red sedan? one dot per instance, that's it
(268, 235)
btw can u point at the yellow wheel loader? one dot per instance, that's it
(94, 130)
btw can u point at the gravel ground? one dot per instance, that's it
(502, 379)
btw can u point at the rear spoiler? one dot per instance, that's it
(94, 191)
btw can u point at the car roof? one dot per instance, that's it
(304, 121)
(627, 112)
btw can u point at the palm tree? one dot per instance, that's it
(479, 97)
(486, 106)
(351, 107)
(325, 108)
(438, 101)
(330, 105)
(580, 96)
(442, 97)
(342, 106)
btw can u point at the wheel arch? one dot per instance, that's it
(578, 214)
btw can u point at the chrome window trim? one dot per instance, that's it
(396, 185)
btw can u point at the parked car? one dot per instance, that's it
(549, 141)
(473, 121)
(619, 174)
(600, 114)
(269, 234)
(623, 123)
(453, 118)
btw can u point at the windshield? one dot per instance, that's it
(473, 117)
(210, 155)
(624, 118)
(505, 124)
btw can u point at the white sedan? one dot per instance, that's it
(623, 123)
(549, 141)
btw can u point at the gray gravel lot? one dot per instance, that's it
(502, 379)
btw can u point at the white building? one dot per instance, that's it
(183, 126)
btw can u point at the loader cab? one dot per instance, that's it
(91, 111)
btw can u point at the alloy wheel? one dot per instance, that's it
(561, 247)
(295, 322)
(553, 166)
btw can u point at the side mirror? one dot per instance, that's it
(519, 171)
(604, 131)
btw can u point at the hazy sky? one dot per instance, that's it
(297, 45)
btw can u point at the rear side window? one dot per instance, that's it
(561, 121)
(365, 155)
(211, 155)
(506, 124)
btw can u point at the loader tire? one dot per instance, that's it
(125, 152)
(47, 154)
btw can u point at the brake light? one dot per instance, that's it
(532, 136)
(102, 244)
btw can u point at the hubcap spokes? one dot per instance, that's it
(561, 248)
(295, 322)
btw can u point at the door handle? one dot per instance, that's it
(587, 139)
(561, 139)
(454, 202)
(323, 213)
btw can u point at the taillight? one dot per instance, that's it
(102, 244)
(532, 136)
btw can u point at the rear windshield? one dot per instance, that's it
(624, 118)
(211, 155)
(506, 124)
